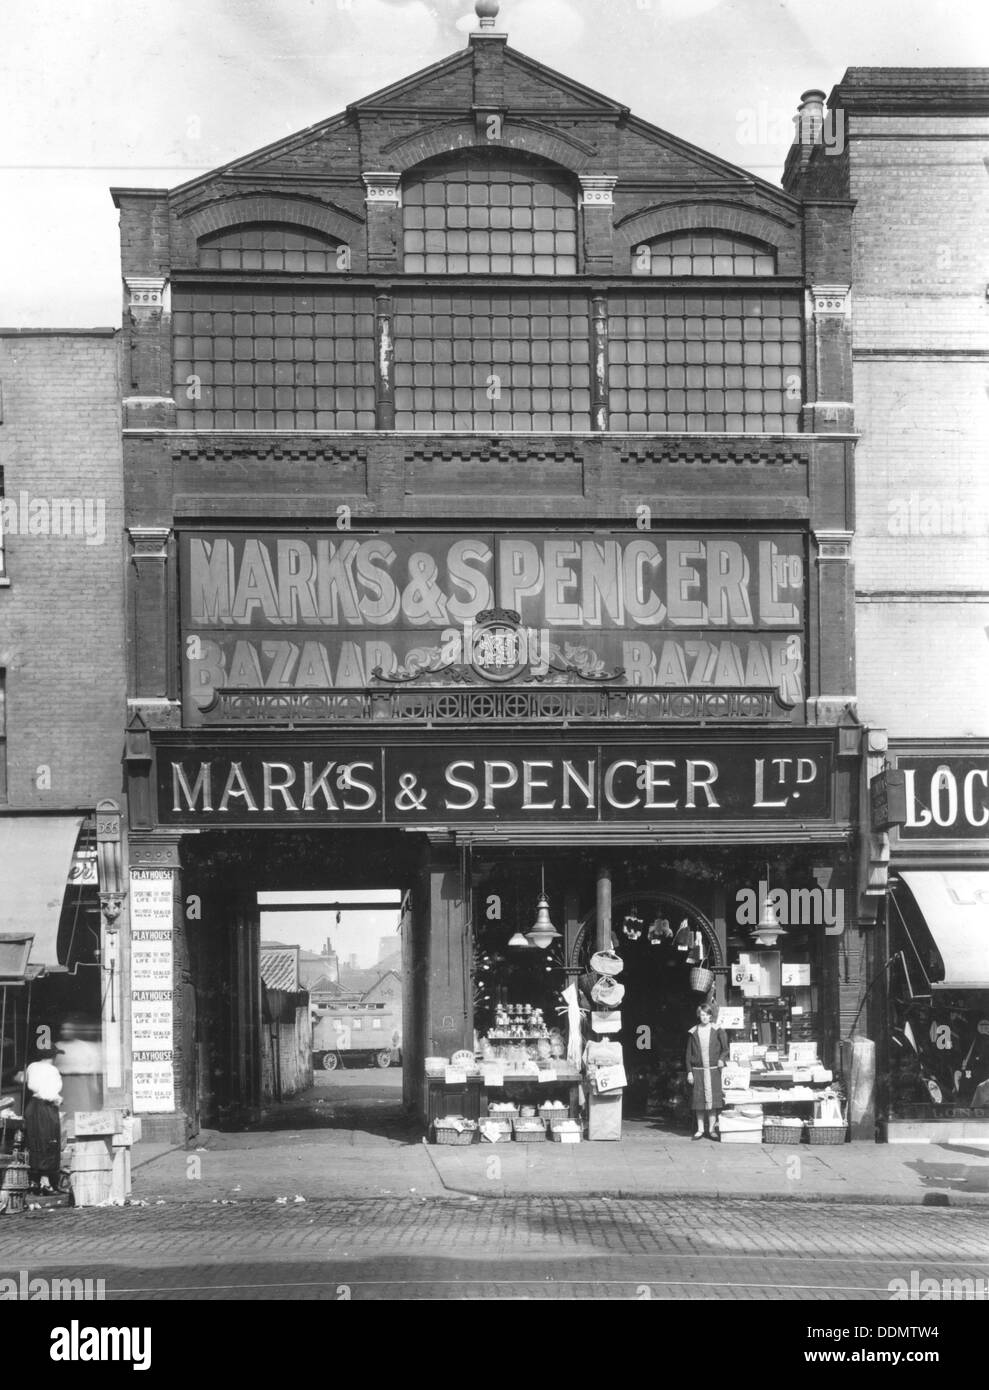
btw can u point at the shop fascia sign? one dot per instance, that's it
(695, 781)
(327, 611)
(946, 796)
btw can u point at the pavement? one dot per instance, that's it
(348, 1138)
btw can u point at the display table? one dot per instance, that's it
(471, 1097)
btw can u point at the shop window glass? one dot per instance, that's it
(285, 360)
(729, 363)
(703, 253)
(492, 362)
(487, 215)
(269, 246)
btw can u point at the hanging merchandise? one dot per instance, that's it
(632, 925)
(696, 952)
(660, 931)
(684, 937)
(607, 963)
(608, 991)
(606, 1021)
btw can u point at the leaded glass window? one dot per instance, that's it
(492, 361)
(489, 215)
(703, 253)
(285, 360)
(701, 362)
(269, 246)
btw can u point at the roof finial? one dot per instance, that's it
(487, 12)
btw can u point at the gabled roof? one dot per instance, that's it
(546, 94)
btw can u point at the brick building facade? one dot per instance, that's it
(915, 143)
(62, 684)
(488, 466)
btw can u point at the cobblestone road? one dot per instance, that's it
(414, 1249)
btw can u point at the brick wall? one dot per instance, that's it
(920, 335)
(61, 616)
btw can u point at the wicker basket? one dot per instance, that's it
(496, 1130)
(773, 1133)
(446, 1133)
(701, 979)
(529, 1136)
(548, 1115)
(826, 1134)
(508, 1115)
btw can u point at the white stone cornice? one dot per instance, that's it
(150, 542)
(146, 291)
(834, 545)
(597, 190)
(832, 299)
(383, 187)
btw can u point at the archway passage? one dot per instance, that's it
(661, 939)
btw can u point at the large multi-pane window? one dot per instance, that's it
(487, 361)
(280, 360)
(705, 362)
(269, 246)
(703, 253)
(489, 215)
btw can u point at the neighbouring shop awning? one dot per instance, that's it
(955, 905)
(35, 857)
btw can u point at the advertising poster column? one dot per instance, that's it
(152, 990)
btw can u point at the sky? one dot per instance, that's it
(356, 934)
(151, 93)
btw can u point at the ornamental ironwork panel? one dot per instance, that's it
(555, 705)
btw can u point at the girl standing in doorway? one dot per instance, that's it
(707, 1052)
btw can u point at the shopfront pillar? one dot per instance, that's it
(602, 940)
(450, 1021)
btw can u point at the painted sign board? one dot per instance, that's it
(699, 780)
(335, 611)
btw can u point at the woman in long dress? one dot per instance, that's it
(43, 1123)
(707, 1052)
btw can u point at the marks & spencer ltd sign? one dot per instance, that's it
(689, 781)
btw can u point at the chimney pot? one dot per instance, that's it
(809, 120)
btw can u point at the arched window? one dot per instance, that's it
(487, 214)
(703, 253)
(270, 246)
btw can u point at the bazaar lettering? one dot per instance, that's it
(282, 664)
(678, 581)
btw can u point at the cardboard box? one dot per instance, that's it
(742, 1136)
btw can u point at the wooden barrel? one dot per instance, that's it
(91, 1171)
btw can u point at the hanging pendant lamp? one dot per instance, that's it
(770, 929)
(542, 934)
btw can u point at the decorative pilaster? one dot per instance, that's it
(383, 202)
(831, 411)
(597, 208)
(149, 610)
(148, 303)
(834, 627)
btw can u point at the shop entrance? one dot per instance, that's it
(293, 1016)
(670, 950)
